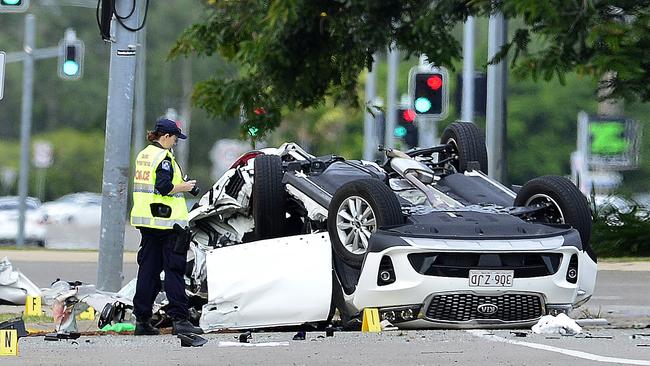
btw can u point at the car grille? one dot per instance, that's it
(464, 307)
(524, 265)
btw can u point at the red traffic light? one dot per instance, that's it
(408, 115)
(434, 82)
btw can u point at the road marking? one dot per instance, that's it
(568, 352)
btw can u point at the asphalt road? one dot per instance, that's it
(621, 296)
(442, 347)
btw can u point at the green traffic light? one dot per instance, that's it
(422, 105)
(10, 2)
(70, 68)
(399, 131)
(253, 131)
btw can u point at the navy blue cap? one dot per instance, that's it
(168, 126)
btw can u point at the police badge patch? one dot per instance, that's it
(166, 165)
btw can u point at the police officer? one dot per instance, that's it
(158, 204)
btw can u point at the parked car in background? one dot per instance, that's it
(35, 228)
(82, 208)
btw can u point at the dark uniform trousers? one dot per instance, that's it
(156, 254)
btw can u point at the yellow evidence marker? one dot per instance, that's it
(370, 321)
(33, 306)
(9, 342)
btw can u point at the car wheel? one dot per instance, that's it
(357, 209)
(268, 197)
(566, 204)
(467, 144)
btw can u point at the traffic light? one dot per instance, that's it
(71, 56)
(429, 90)
(13, 6)
(406, 128)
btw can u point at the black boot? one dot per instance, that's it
(145, 328)
(184, 327)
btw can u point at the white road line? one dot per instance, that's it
(569, 352)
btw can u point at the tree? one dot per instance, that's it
(296, 53)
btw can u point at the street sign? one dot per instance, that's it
(3, 56)
(613, 143)
(42, 154)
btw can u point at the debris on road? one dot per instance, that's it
(192, 340)
(17, 323)
(15, 286)
(560, 324)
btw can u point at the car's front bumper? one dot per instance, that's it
(449, 302)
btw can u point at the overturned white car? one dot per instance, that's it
(284, 238)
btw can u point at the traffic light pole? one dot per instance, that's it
(119, 118)
(467, 103)
(391, 95)
(26, 123)
(27, 57)
(369, 141)
(495, 120)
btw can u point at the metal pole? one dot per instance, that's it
(119, 116)
(369, 135)
(140, 89)
(183, 147)
(496, 102)
(467, 104)
(26, 122)
(391, 94)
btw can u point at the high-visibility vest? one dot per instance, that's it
(145, 193)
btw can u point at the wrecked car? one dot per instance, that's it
(285, 237)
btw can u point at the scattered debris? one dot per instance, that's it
(15, 286)
(386, 325)
(16, 323)
(62, 335)
(519, 334)
(329, 331)
(118, 327)
(643, 345)
(300, 336)
(560, 324)
(244, 337)
(192, 340)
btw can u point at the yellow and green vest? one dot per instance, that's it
(145, 194)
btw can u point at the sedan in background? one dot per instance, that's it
(35, 228)
(82, 208)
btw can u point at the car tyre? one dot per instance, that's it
(268, 197)
(357, 209)
(468, 143)
(568, 205)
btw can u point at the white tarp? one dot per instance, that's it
(268, 283)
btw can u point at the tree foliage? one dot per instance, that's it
(296, 53)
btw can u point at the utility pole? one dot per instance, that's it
(369, 140)
(26, 122)
(393, 63)
(496, 99)
(119, 118)
(467, 103)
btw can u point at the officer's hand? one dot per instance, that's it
(188, 185)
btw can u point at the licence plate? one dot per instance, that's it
(490, 278)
